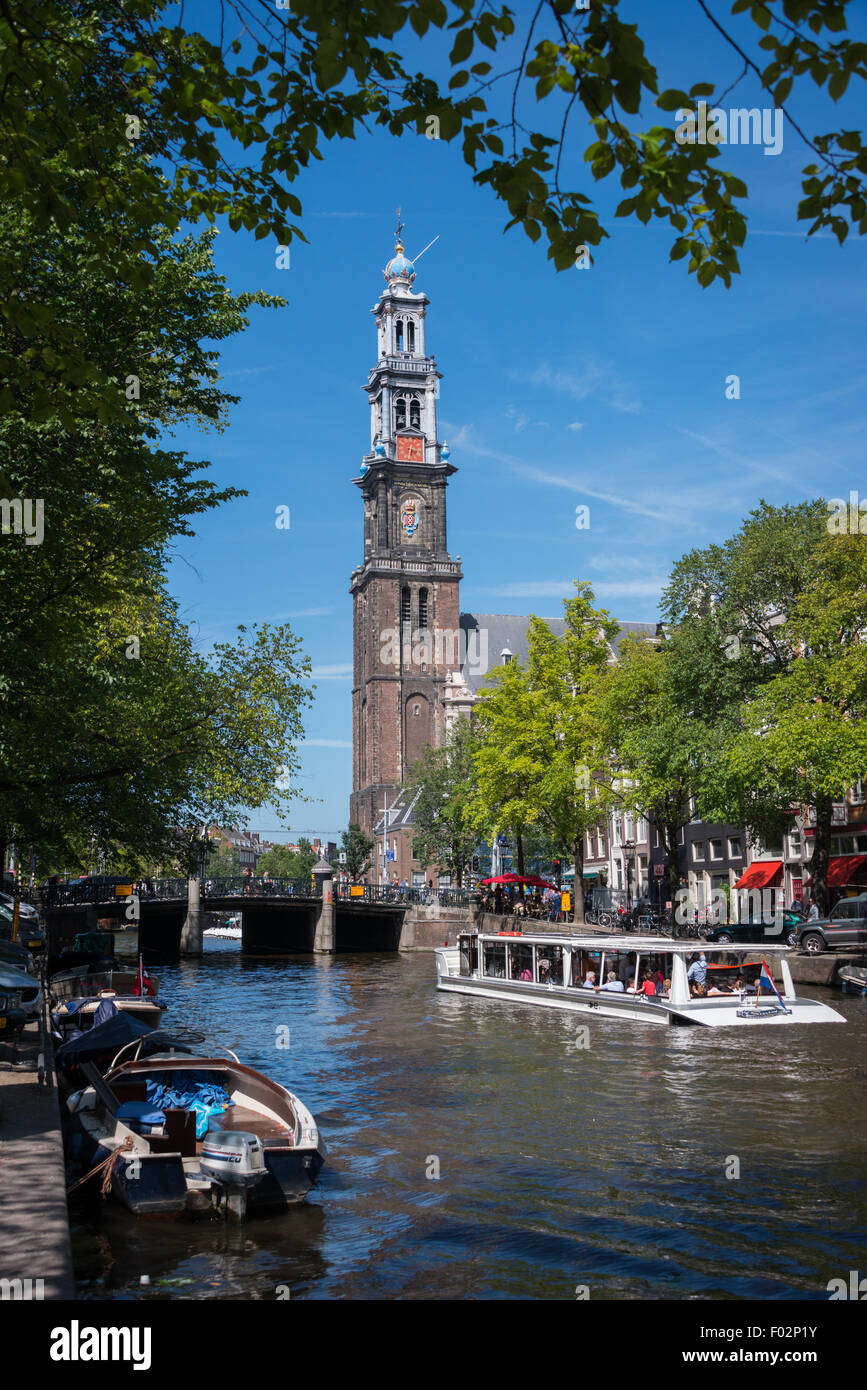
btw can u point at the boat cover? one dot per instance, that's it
(108, 1037)
(190, 1092)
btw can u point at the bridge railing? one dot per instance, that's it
(397, 896)
(260, 888)
(74, 894)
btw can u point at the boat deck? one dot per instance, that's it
(240, 1117)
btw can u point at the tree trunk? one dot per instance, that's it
(519, 848)
(578, 882)
(821, 853)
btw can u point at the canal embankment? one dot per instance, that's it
(35, 1253)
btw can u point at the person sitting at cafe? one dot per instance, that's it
(612, 983)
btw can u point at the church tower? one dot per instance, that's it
(406, 608)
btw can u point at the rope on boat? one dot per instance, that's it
(108, 1164)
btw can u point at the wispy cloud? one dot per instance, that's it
(597, 379)
(327, 743)
(576, 425)
(580, 486)
(300, 613)
(253, 371)
(340, 672)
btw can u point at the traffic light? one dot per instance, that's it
(475, 863)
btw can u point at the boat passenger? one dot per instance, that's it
(698, 990)
(626, 972)
(525, 974)
(612, 983)
(648, 988)
(590, 980)
(666, 986)
(697, 972)
(719, 989)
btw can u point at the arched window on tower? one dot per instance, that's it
(398, 335)
(415, 414)
(422, 609)
(410, 336)
(405, 607)
(400, 413)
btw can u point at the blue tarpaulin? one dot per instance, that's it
(190, 1092)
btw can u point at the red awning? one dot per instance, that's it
(765, 873)
(843, 868)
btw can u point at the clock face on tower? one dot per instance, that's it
(410, 450)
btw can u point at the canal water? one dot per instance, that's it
(478, 1151)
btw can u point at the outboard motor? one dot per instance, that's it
(236, 1161)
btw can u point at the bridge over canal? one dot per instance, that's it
(278, 916)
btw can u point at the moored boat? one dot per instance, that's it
(186, 1130)
(853, 979)
(633, 978)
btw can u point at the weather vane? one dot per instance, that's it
(400, 225)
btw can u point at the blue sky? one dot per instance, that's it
(602, 387)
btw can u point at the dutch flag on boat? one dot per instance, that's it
(765, 982)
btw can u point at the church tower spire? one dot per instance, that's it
(406, 606)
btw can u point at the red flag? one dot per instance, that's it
(143, 983)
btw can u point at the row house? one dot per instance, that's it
(626, 860)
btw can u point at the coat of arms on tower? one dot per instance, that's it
(409, 518)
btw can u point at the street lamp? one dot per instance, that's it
(629, 869)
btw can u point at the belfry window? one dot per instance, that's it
(415, 414)
(400, 413)
(398, 330)
(405, 609)
(422, 609)
(410, 336)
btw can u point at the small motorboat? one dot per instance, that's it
(79, 1015)
(87, 996)
(853, 979)
(183, 1129)
(87, 980)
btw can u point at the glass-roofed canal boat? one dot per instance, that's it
(642, 979)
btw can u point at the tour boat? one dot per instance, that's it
(552, 969)
(186, 1130)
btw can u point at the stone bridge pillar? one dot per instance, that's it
(324, 939)
(191, 931)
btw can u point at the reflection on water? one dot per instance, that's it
(559, 1165)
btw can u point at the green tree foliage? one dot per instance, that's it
(446, 831)
(225, 862)
(652, 740)
(114, 729)
(541, 760)
(124, 106)
(803, 735)
(285, 862)
(358, 846)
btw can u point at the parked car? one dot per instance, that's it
(12, 953)
(30, 934)
(12, 1016)
(24, 909)
(28, 989)
(846, 926)
(766, 931)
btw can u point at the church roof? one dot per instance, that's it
(487, 634)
